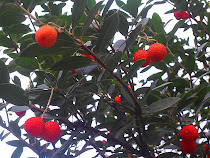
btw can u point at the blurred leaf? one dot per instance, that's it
(91, 15)
(152, 138)
(71, 63)
(19, 108)
(13, 94)
(17, 81)
(190, 64)
(107, 32)
(176, 27)
(16, 143)
(4, 74)
(15, 128)
(17, 153)
(126, 95)
(87, 69)
(113, 60)
(134, 68)
(77, 11)
(111, 89)
(123, 25)
(162, 104)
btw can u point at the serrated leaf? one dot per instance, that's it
(77, 11)
(162, 104)
(13, 94)
(134, 68)
(91, 16)
(4, 73)
(113, 60)
(108, 31)
(17, 153)
(71, 63)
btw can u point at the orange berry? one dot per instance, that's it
(34, 126)
(205, 149)
(88, 56)
(21, 113)
(189, 133)
(117, 99)
(142, 54)
(188, 147)
(185, 15)
(46, 36)
(157, 52)
(51, 132)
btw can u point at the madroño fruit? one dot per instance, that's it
(51, 132)
(88, 56)
(157, 52)
(181, 15)
(117, 99)
(21, 113)
(188, 147)
(142, 54)
(34, 126)
(46, 36)
(189, 133)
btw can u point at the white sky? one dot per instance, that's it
(7, 150)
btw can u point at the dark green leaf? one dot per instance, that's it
(153, 138)
(13, 94)
(108, 31)
(126, 95)
(77, 11)
(162, 104)
(17, 81)
(176, 27)
(113, 60)
(157, 23)
(108, 5)
(4, 41)
(27, 63)
(123, 25)
(4, 74)
(190, 64)
(111, 89)
(91, 16)
(17, 153)
(71, 63)
(19, 108)
(134, 68)
(17, 29)
(15, 128)
(132, 7)
(16, 143)
(87, 69)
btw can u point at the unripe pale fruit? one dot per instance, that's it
(21, 113)
(117, 99)
(157, 52)
(46, 36)
(51, 132)
(188, 147)
(142, 54)
(34, 126)
(189, 133)
(88, 56)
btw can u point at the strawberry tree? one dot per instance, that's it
(77, 71)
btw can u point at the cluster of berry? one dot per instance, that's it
(36, 127)
(156, 52)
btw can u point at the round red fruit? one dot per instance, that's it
(142, 54)
(189, 133)
(157, 52)
(88, 56)
(188, 147)
(117, 99)
(51, 132)
(178, 15)
(34, 126)
(46, 36)
(21, 113)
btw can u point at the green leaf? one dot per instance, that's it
(27, 63)
(91, 16)
(77, 11)
(16, 143)
(17, 153)
(71, 63)
(108, 5)
(108, 31)
(15, 128)
(17, 29)
(4, 41)
(123, 25)
(176, 27)
(126, 95)
(63, 45)
(161, 38)
(162, 104)
(4, 74)
(157, 23)
(134, 68)
(190, 64)
(132, 7)
(113, 60)
(19, 108)
(10, 14)
(13, 94)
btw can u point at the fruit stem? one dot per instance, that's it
(49, 101)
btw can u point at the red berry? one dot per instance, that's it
(51, 132)
(189, 133)
(34, 126)
(73, 71)
(46, 36)
(185, 15)
(204, 149)
(104, 141)
(117, 99)
(88, 56)
(178, 15)
(142, 54)
(129, 86)
(21, 113)
(188, 147)
(157, 52)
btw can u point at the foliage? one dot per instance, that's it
(150, 116)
